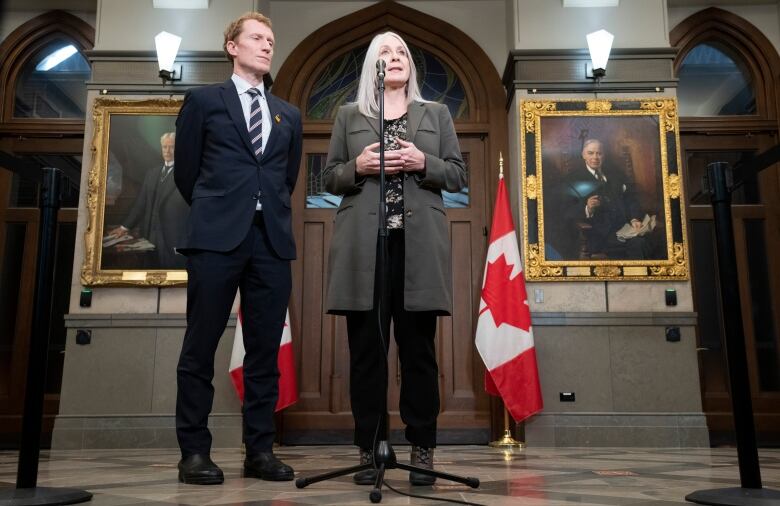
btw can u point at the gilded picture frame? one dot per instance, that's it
(136, 214)
(601, 190)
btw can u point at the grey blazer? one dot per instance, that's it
(351, 264)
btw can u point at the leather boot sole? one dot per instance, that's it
(365, 477)
(200, 480)
(248, 472)
(421, 479)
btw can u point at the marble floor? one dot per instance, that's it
(534, 476)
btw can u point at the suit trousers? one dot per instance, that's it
(415, 336)
(264, 281)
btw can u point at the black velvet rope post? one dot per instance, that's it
(719, 184)
(27, 492)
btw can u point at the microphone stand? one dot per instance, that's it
(384, 456)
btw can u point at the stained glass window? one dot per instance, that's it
(337, 84)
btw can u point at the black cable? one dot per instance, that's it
(430, 498)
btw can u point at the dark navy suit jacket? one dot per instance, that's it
(218, 174)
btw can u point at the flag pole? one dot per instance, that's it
(507, 441)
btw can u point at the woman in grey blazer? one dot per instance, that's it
(422, 158)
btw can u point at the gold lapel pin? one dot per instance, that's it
(278, 118)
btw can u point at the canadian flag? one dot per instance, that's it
(288, 387)
(504, 336)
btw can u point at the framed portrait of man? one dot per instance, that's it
(137, 216)
(601, 190)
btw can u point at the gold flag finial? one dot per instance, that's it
(500, 165)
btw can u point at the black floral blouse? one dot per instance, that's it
(394, 191)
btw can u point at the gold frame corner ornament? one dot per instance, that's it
(674, 264)
(92, 273)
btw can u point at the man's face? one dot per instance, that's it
(592, 155)
(167, 150)
(253, 49)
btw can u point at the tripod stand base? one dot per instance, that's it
(384, 460)
(39, 496)
(736, 496)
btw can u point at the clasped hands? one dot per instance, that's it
(406, 159)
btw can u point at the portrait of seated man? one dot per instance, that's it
(601, 211)
(155, 224)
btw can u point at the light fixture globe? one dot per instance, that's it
(167, 45)
(599, 46)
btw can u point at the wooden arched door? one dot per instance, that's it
(316, 78)
(729, 112)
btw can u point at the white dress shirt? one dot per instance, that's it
(246, 105)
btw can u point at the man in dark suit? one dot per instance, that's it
(603, 201)
(236, 165)
(159, 212)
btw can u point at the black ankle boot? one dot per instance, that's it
(421, 457)
(366, 476)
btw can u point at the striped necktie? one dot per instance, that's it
(166, 170)
(256, 122)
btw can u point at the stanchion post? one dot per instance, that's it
(30, 447)
(719, 184)
(27, 493)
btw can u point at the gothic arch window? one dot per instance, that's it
(43, 75)
(726, 68)
(713, 81)
(51, 84)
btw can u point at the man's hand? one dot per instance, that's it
(119, 231)
(592, 204)
(636, 224)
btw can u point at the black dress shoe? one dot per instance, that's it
(267, 467)
(198, 469)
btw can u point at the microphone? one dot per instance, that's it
(380, 68)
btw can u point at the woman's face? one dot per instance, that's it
(392, 51)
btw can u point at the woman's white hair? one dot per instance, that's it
(367, 93)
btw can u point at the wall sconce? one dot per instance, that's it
(599, 46)
(167, 45)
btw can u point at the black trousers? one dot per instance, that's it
(264, 281)
(415, 334)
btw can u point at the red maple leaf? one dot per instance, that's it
(504, 297)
